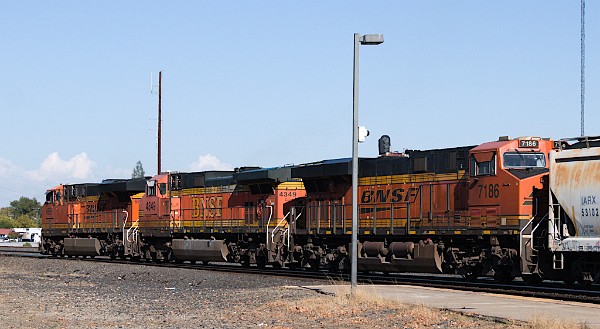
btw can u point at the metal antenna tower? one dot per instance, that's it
(582, 67)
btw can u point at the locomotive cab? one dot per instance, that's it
(502, 176)
(54, 215)
(154, 206)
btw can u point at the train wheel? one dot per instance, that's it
(261, 262)
(581, 273)
(245, 260)
(473, 272)
(531, 278)
(503, 274)
(585, 279)
(470, 276)
(314, 264)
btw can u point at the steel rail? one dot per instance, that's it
(544, 290)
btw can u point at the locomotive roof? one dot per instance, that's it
(206, 178)
(325, 168)
(123, 185)
(267, 175)
(437, 161)
(81, 190)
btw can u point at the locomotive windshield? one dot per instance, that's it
(524, 160)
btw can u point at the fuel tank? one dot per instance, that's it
(82, 247)
(200, 250)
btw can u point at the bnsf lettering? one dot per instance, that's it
(215, 205)
(383, 196)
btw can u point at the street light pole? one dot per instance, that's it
(367, 39)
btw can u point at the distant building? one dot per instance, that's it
(4, 232)
(30, 234)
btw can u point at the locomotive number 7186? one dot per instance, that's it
(489, 191)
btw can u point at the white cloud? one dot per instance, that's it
(209, 162)
(55, 168)
(7, 168)
(18, 181)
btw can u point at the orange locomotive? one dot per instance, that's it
(238, 216)
(447, 210)
(90, 219)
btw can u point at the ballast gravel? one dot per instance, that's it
(76, 293)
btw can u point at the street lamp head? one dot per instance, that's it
(371, 39)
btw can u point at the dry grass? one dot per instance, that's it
(365, 308)
(546, 322)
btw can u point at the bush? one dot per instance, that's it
(26, 244)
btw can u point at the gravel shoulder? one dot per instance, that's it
(61, 293)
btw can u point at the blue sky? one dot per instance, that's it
(269, 83)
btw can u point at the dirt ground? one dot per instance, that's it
(64, 293)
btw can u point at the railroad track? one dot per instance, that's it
(549, 290)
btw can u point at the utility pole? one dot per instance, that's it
(159, 118)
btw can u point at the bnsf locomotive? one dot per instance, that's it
(513, 207)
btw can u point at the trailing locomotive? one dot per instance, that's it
(219, 216)
(473, 210)
(103, 212)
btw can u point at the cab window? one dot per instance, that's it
(163, 188)
(50, 197)
(483, 168)
(524, 160)
(151, 188)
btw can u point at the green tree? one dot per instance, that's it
(6, 222)
(25, 206)
(138, 171)
(25, 221)
(25, 212)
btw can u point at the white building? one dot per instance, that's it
(29, 234)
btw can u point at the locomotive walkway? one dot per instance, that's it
(486, 304)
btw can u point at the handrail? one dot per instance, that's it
(278, 225)
(284, 232)
(526, 225)
(269, 222)
(133, 227)
(531, 221)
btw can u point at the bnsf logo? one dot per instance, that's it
(389, 195)
(213, 204)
